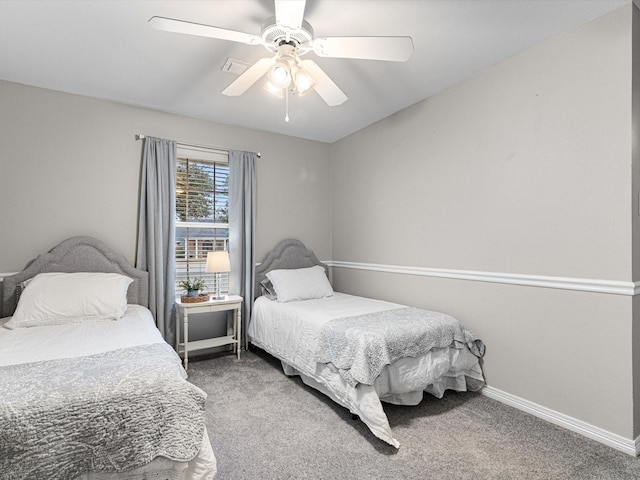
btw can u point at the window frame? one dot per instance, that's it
(207, 156)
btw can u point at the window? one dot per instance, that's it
(202, 214)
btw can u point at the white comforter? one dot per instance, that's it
(291, 331)
(136, 327)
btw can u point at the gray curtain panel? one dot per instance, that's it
(155, 252)
(242, 221)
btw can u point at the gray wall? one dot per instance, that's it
(635, 214)
(524, 168)
(70, 165)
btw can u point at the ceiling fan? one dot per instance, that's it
(288, 37)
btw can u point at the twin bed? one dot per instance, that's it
(90, 390)
(358, 351)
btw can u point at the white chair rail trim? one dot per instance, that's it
(605, 437)
(564, 283)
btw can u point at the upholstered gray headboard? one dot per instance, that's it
(77, 254)
(289, 253)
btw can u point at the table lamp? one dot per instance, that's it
(218, 262)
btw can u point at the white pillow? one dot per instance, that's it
(300, 283)
(60, 298)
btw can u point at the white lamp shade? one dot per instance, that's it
(272, 89)
(304, 81)
(218, 262)
(280, 75)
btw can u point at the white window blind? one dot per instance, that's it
(202, 214)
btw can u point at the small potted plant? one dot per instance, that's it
(192, 287)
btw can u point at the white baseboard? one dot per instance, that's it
(629, 446)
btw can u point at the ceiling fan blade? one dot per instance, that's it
(190, 28)
(325, 87)
(289, 13)
(392, 49)
(248, 78)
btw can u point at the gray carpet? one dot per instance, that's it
(264, 425)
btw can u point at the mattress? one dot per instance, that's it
(291, 331)
(23, 345)
(135, 328)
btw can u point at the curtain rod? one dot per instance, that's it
(139, 136)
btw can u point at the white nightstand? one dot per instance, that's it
(229, 302)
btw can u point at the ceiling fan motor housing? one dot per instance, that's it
(274, 35)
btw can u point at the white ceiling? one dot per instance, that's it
(105, 49)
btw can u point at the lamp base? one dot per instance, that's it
(216, 295)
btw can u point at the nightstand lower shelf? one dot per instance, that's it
(208, 343)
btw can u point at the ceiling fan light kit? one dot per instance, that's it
(288, 73)
(288, 37)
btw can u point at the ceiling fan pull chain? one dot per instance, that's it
(286, 104)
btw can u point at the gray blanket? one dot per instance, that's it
(109, 412)
(360, 346)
